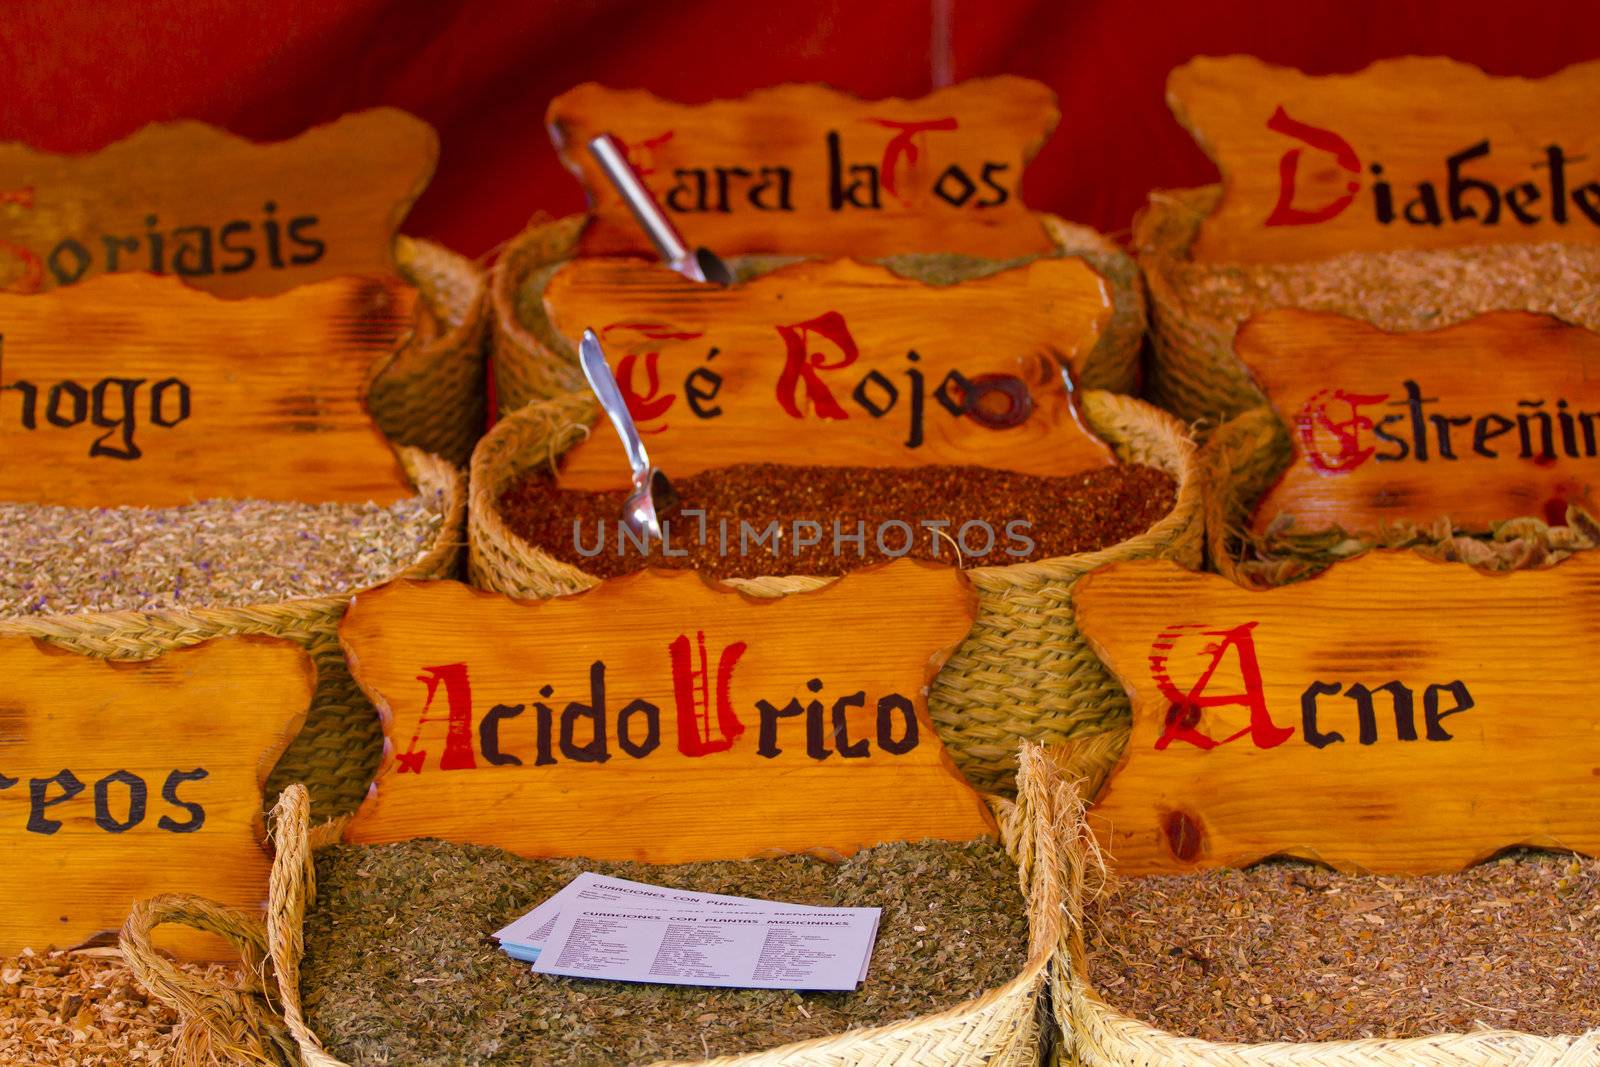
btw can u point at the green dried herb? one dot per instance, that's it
(399, 967)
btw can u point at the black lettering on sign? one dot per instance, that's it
(854, 186)
(39, 799)
(1473, 200)
(194, 247)
(112, 404)
(169, 793)
(121, 801)
(134, 788)
(1402, 702)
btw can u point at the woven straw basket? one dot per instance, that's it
(430, 393)
(532, 362)
(337, 750)
(1195, 308)
(1245, 456)
(1023, 673)
(261, 1021)
(1097, 1035)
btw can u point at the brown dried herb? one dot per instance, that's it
(1287, 951)
(398, 968)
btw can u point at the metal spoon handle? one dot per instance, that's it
(604, 384)
(607, 152)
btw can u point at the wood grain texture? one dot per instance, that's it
(759, 173)
(696, 778)
(1297, 154)
(1246, 764)
(1487, 420)
(812, 364)
(276, 393)
(196, 730)
(228, 216)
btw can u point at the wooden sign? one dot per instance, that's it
(805, 168)
(136, 390)
(1393, 714)
(1409, 153)
(226, 215)
(1488, 420)
(119, 781)
(838, 364)
(657, 717)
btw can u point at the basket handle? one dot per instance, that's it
(237, 1020)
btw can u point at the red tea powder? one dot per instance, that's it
(757, 518)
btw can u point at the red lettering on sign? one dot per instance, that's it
(458, 729)
(694, 700)
(1315, 423)
(903, 145)
(647, 404)
(801, 364)
(1183, 714)
(641, 154)
(1284, 213)
(32, 268)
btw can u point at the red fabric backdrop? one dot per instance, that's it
(75, 74)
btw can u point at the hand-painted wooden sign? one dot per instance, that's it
(119, 781)
(1409, 153)
(805, 168)
(1491, 419)
(136, 390)
(838, 364)
(657, 717)
(1392, 714)
(224, 214)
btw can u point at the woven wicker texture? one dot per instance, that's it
(431, 393)
(1195, 308)
(1024, 672)
(1243, 458)
(262, 1019)
(1097, 1035)
(533, 362)
(337, 751)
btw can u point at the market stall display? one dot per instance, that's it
(869, 704)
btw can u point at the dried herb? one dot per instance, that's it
(399, 969)
(1403, 290)
(1287, 951)
(1064, 515)
(85, 1008)
(216, 553)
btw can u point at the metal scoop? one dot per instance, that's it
(700, 265)
(653, 496)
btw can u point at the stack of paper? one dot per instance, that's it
(601, 927)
